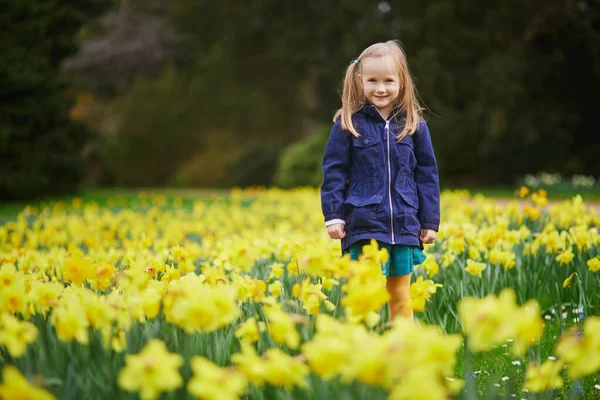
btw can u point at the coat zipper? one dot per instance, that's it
(387, 135)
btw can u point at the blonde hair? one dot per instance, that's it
(353, 95)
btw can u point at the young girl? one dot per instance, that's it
(380, 176)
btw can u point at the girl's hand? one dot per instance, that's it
(336, 231)
(428, 236)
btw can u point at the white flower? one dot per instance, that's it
(516, 362)
(505, 378)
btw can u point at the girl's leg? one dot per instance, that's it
(398, 288)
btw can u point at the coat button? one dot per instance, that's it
(366, 141)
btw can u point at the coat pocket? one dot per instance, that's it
(364, 208)
(405, 155)
(407, 189)
(360, 201)
(407, 220)
(410, 198)
(366, 158)
(364, 194)
(365, 142)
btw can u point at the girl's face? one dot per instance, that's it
(380, 83)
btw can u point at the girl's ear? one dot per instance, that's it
(359, 79)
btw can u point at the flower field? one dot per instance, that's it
(244, 296)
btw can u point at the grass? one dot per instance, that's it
(130, 196)
(497, 372)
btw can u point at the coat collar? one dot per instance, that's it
(370, 110)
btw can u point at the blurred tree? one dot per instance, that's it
(497, 76)
(510, 86)
(41, 149)
(240, 71)
(130, 40)
(268, 70)
(293, 52)
(157, 132)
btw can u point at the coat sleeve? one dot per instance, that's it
(427, 179)
(336, 171)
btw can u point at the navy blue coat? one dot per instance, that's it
(382, 189)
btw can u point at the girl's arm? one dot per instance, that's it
(336, 171)
(427, 179)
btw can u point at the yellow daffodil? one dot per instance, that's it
(327, 354)
(281, 369)
(475, 268)
(8, 275)
(523, 192)
(532, 213)
(539, 198)
(152, 371)
(212, 268)
(70, 320)
(211, 382)
(430, 266)
(567, 281)
(15, 335)
(282, 327)
(248, 330)
(14, 386)
(565, 257)
(528, 327)
(545, 377)
(275, 288)
(276, 270)
(250, 364)
(506, 259)
(77, 268)
(579, 350)
(493, 320)
(594, 264)
(420, 291)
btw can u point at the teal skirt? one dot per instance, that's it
(401, 257)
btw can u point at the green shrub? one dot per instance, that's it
(300, 163)
(252, 167)
(208, 168)
(158, 128)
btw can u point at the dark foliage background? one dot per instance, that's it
(226, 93)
